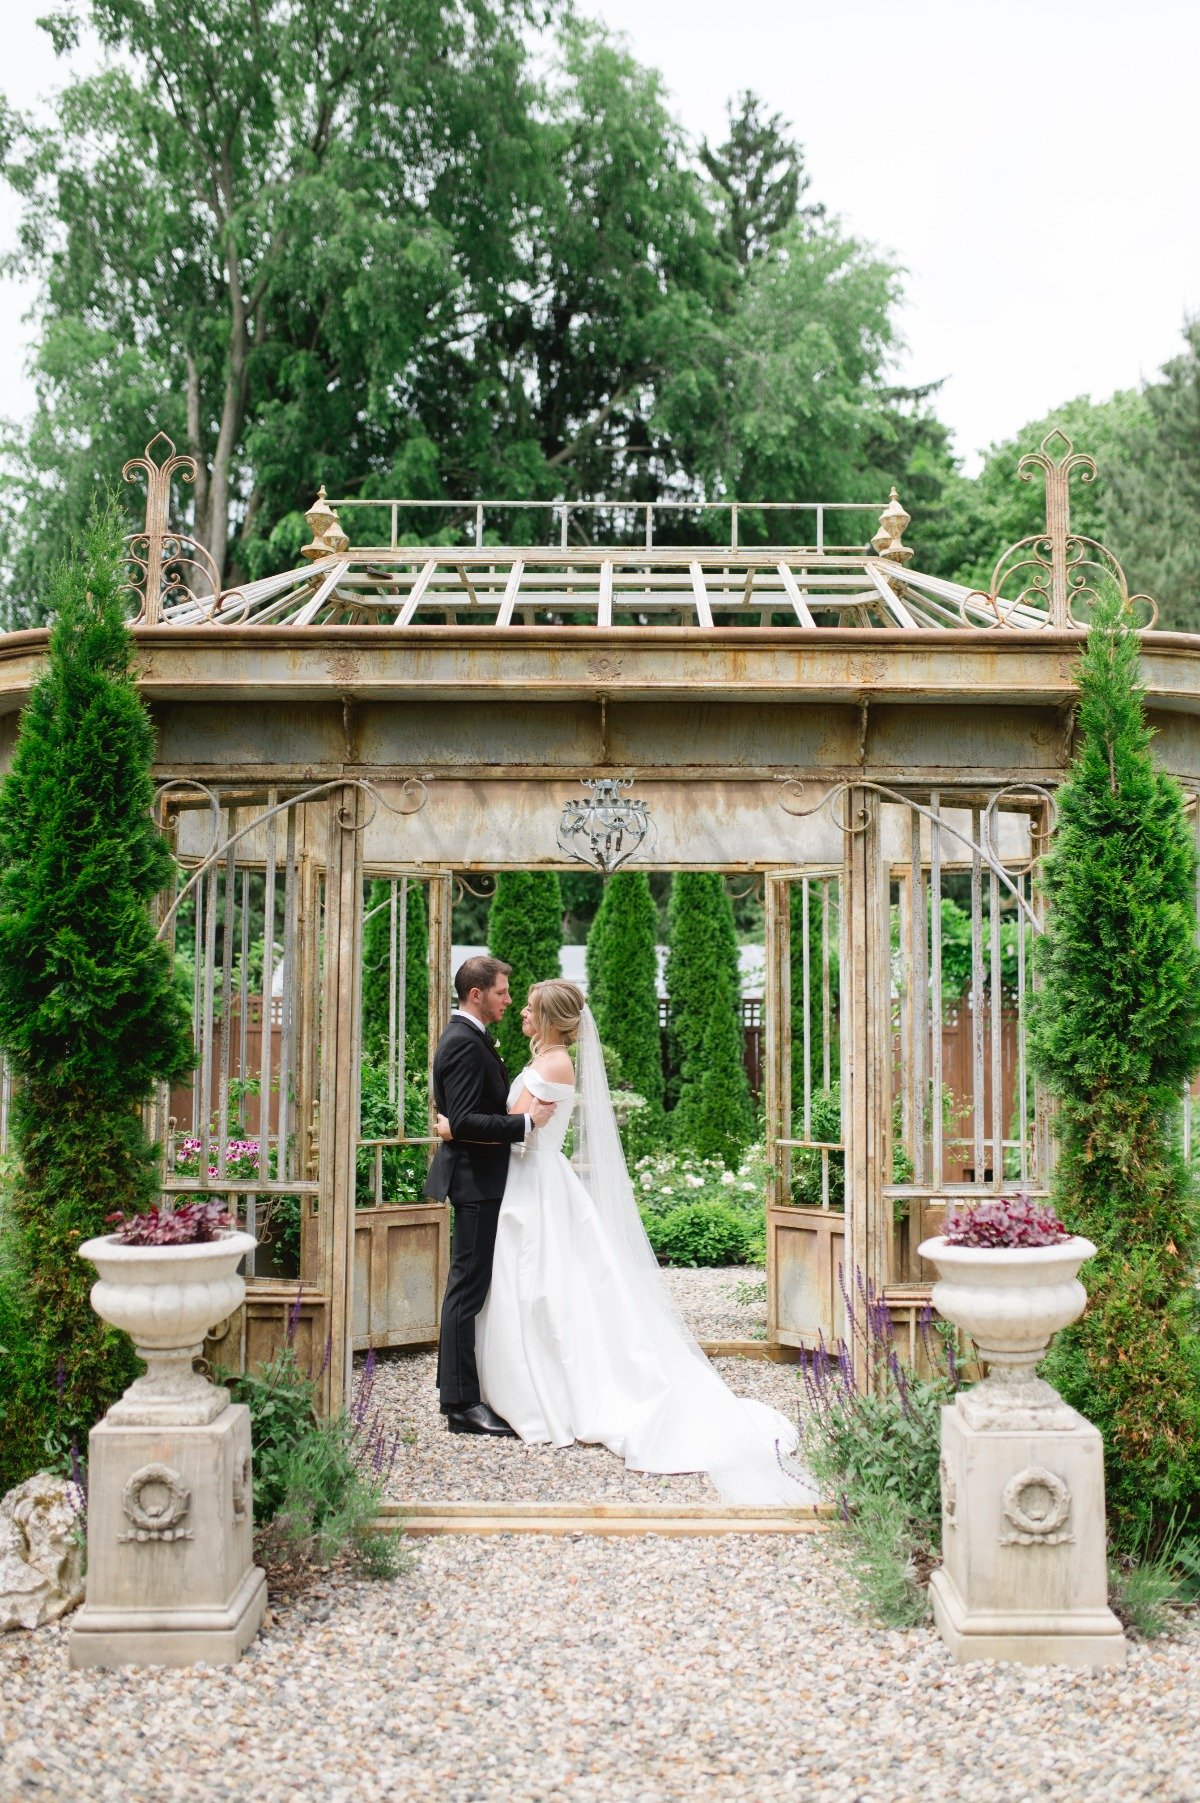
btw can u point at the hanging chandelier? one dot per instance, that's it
(605, 828)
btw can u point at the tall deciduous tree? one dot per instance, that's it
(622, 967)
(525, 929)
(1115, 1034)
(89, 1016)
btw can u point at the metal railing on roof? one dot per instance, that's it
(646, 511)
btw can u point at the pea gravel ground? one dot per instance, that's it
(633, 1671)
(435, 1466)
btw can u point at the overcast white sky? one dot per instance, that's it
(1035, 164)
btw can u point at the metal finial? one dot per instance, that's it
(888, 540)
(327, 534)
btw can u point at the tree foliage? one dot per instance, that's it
(622, 971)
(1115, 1034)
(1155, 496)
(377, 967)
(393, 250)
(89, 1016)
(708, 1075)
(525, 929)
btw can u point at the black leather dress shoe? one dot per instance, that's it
(478, 1419)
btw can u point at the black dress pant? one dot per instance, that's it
(474, 1241)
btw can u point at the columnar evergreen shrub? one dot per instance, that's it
(525, 929)
(1115, 1034)
(377, 937)
(705, 1035)
(715, 1117)
(89, 1016)
(622, 971)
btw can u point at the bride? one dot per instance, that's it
(579, 1338)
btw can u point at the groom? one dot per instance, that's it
(470, 1086)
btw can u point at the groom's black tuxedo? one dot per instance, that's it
(470, 1087)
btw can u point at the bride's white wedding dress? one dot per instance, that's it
(579, 1338)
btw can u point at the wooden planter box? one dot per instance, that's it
(805, 1251)
(401, 1261)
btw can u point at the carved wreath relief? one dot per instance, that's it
(1037, 1506)
(156, 1501)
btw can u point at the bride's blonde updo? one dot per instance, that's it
(556, 1006)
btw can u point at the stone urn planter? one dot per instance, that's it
(1011, 1300)
(166, 1298)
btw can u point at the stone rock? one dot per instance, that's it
(41, 1552)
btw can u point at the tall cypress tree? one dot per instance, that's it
(89, 1016)
(714, 1118)
(622, 967)
(377, 963)
(703, 980)
(525, 929)
(1115, 1034)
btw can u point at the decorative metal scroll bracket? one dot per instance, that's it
(413, 788)
(984, 846)
(1053, 570)
(168, 567)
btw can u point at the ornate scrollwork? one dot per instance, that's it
(171, 572)
(1041, 580)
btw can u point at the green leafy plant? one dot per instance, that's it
(1115, 1035)
(318, 1480)
(875, 1448)
(378, 972)
(404, 1167)
(89, 1014)
(700, 1233)
(713, 1112)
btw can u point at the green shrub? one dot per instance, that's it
(318, 1481)
(89, 1013)
(1115, 1036)
(876, 1449)
(525, 929)
(404, 1167)
(700, 1233)
(713, 1115)
(622, 971)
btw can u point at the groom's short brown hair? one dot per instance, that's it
(478, 973)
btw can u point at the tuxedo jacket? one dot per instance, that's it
(470, 1087)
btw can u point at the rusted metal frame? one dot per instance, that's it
(826, 1024)
(806, 988)
(867, 1055)
(416, 593)
(226, 995)
(891, 601)
(439, 902)
(920, 999)
(461, 572)
(340, 1076)
(284, 1161)
(511, 590)
(977, 1041)
(1022, 1076)
(392, 949)
(1044, 1148)
(208, 1005)
(244, 1002)
(995, 1004)
(903, 991)
(778, 1038)
(937, 1150)
(700, 592)
(325, 589)
(792, 589)
(268, 984)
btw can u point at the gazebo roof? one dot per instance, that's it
(864, 585)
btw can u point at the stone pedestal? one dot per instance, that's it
(1024, 1574)
(171, 1576)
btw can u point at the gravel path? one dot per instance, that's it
(435, 1466)
(643, 1671)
